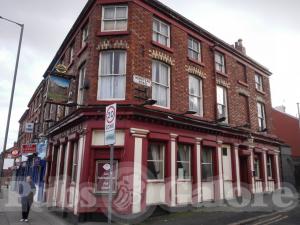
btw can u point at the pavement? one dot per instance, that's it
(226, 213)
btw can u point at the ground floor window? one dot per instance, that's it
(256, 168)
(184, 162)
(207, 164)
(74, 162)
(155, 161)
(102, 176)
(269, 166)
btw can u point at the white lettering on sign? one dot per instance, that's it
(142, 81)
(110, 124)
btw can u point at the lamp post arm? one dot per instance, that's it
(13, 86)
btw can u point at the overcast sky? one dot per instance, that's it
(270, 31)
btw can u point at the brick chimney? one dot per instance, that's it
(239, 46)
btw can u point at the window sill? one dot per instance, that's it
(184, 180)
(243, 83)
(163, 46)
(222, 74)
(82, 50)
(111, 33)
(196, 62)
(261, 92)
(155, 181)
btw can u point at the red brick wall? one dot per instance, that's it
(287, 129)
(139, 62)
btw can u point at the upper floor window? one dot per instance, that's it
(114, 18)
(84, 35)
(194, 49)
(161, 83)
(259, 82)
(156, 161)
(71, 53)
(184, 162)
(261, 114)
(220, 62)
(161, 32)
(81, 79)
(207, 164)
(112, 75)
(195, 94)
(222, 107)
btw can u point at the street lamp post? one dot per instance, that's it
(11, 95)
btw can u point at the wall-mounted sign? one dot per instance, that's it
(29, 127)
(58, 89)
(142, 81)
(102, 176)
(28, 148)
(110, 124)
(41, 149)
(60, 68)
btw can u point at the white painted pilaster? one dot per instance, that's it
(138, 135)
(265, 171)
(173, 169)
(65, 175)
(220, 170)
(199, 183)
(277, 171)
(237, 170)
(56, 185)
(81, 144)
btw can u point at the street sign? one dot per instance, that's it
(28, 148)
(29, 127)
(110, 124)
(142, 81)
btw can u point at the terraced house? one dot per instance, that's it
(193, 113)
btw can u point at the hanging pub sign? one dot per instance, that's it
(28, 148)
(29, 127)
(58, 89)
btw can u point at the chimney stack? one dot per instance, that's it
(239, 46)
(280, 108)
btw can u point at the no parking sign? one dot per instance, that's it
(110, 124)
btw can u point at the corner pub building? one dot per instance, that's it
(207, 134)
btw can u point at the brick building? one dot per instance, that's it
(287, 128)
(208, 134)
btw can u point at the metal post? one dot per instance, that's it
(12, 93)
(111, 162)
(298, 106)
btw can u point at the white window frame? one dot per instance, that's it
(199, 97)
(71, 58)
(256, 163)
(261, 118)
(81, 79)
(185, 162)
(163, 149)
(84, 35)
(99, 98)
(157, 33)
(115, 168)
(221, 64)
(211, 163)
(115, 19)
(259, 82)
(269, 167)
(194, 49)
(225, 105)
(156, 83)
